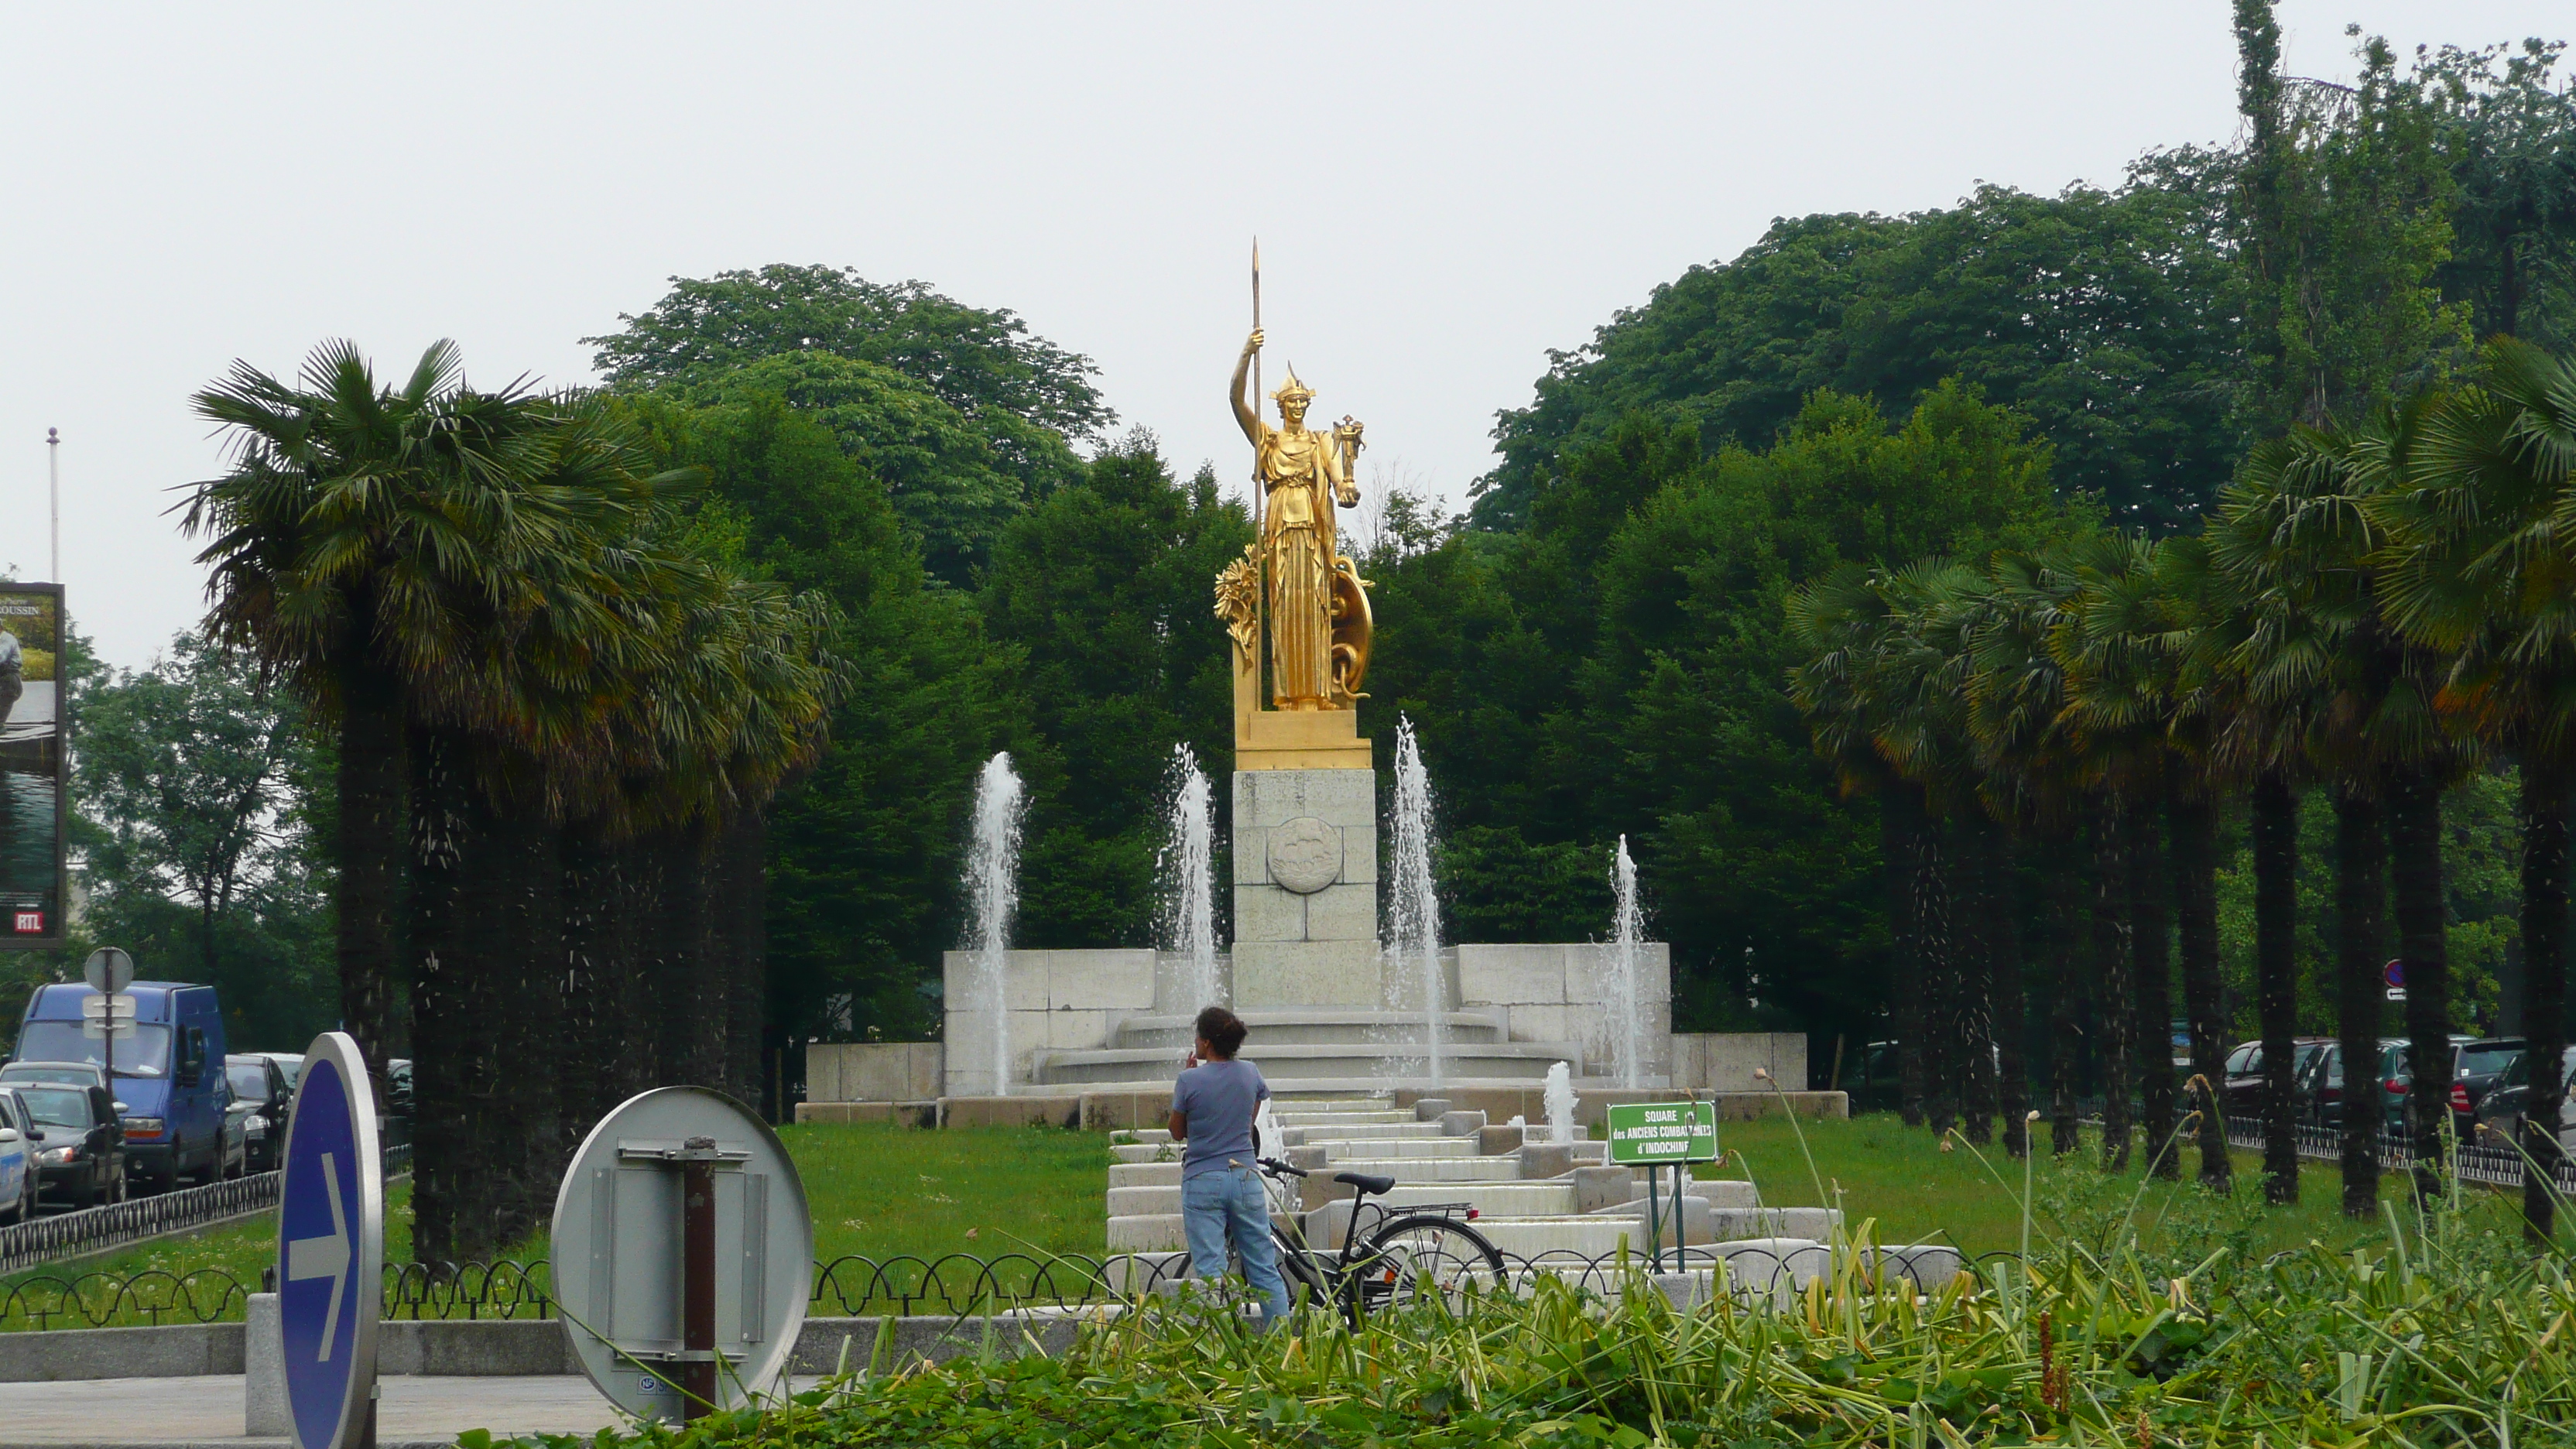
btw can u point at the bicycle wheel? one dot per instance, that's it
(1414, 1258)
(1306, 1286)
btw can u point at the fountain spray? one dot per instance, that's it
(993, 892)
(1188, 871)
(1560, 1099)
(1414, 919)
(1627, 925)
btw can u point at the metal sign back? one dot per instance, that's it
(618, 1249)
(1653, 1132)
(331, 1247)
(108, 969)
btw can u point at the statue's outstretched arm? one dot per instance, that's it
(1244, 413)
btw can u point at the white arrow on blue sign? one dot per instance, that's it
(331, 1247)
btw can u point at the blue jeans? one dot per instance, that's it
(1229, 1203)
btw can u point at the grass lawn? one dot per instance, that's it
(883, 1191)
(1899, 1177)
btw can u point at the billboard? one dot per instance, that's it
(31, 765)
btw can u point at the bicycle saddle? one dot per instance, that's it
(1369, 1184)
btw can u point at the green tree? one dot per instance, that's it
(863, 850)
(1104, 592)
(2089, 313)
(2510, 136)
(1026, 392)
(942, 472)
(188, 775)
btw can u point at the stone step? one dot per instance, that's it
(1144, 1174)
(1146, 1152)
(1314, 1026)
(1368, 1132)
(1431, 1169)
(1340, 1150)
(1519, 1062)
(1296, 1118)
(1498, 1199)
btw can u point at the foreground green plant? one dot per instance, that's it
(2443, 1333)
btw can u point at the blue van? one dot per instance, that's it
(169, 1074)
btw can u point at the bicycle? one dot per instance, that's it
(1408, 1254)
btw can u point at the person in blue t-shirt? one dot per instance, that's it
(1221, 1194)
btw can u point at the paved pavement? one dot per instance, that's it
(208, 1410)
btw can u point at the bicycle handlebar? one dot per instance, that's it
(1273, 1164)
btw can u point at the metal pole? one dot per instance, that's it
(698, 1281)
(54, 501)
(1681, 1229)
(1654, 1218)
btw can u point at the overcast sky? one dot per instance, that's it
(1442, 192)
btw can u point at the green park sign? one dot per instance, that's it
(1652, 1132)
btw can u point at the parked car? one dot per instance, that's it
(2325, 1086)
(263, 1098)
(168, 1073)
(290, 1063)
(2476, 1067)
(397, 1123)
(80, 1147)
(2245, 1074)
(18, 1148)
(73, 1074)
(2500, 1112)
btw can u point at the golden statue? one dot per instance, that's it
(1314, 599)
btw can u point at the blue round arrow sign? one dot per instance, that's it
(331, 1246)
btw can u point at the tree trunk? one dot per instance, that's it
(1940, 981)
(369, 849)
(2011, 1016)
(588, 901)
(2544, 982)
(2150, 895)
(447, 1185)
(530, 1027)
(2415, 889)
(2193, 820)
(1900, 825)
(2063, 882)
(2113, 990)
(2361, 888)
(1980, 874)
(684, 1030)
(2276, 969)
(747, 902)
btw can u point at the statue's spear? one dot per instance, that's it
(1255, 382)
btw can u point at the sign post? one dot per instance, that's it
(331, 1249)
(681, 1254)
(109, 971)
(2394, 973)
(1656, 1134)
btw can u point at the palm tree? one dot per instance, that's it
(2110, 642)
(2034, 777)
(2190, 597)
(2294, 534)
(2246, 737)
(2481, 567)
(1840, 624)
(2421, 753)
(353, 520)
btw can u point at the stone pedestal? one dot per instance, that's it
(1305, 888)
